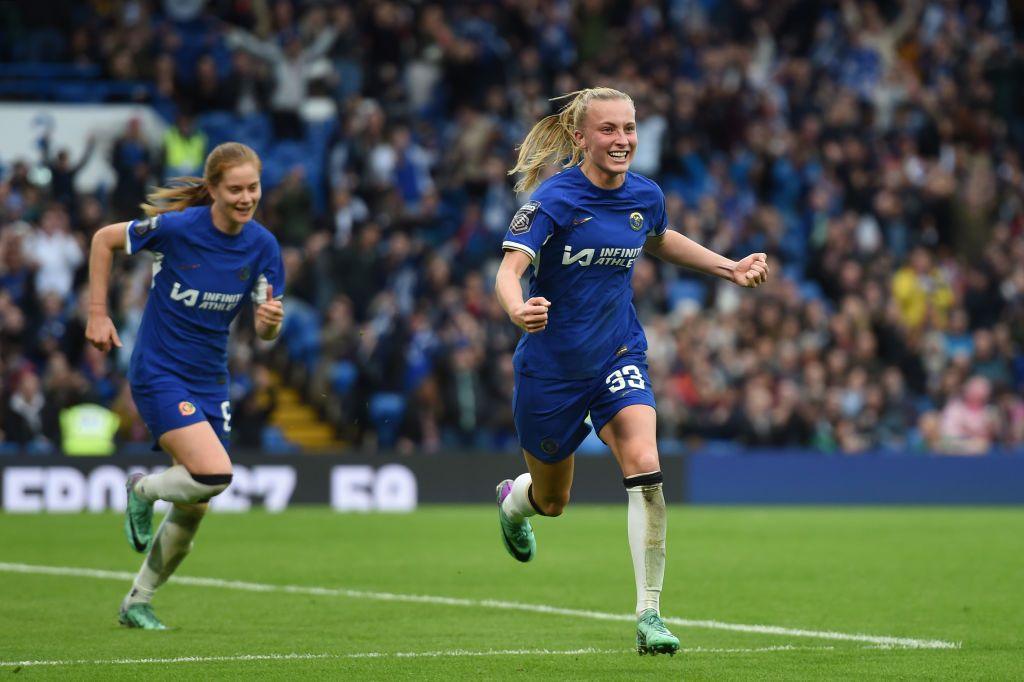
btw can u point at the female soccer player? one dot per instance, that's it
(209, 256)
(584, 350)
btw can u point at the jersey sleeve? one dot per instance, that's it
(271, 274)
(659, 216)
(530, 228)
(147, 234)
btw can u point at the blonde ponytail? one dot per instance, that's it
(551, 139)
(177, 195)
(185, 192)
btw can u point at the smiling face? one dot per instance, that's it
(608, 140)
(236, 196)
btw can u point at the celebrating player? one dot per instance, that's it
(209, 256)
(584, 349)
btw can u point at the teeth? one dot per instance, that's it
(619, 155)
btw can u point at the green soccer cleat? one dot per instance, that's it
(518, 537)
(652, 637)
(140, 615)
(138, 518)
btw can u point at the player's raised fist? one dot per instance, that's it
(751, 271)
(270, 312)
(269, 316)
(532, 316)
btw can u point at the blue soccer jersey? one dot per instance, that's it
(201, 279)
(583, 241)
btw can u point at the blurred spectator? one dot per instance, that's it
(969, 422)
(209, 92)
(28, 420)
(250, 415)
(184, 149)
(921, 291)
(131, 160)
(248, 89)
(88, 429)
(63, 172)
(293, 65)
(56, 252)
(292, 206)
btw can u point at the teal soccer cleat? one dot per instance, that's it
(652, 637)
(140, 615)
(138, 518)
(518, 537)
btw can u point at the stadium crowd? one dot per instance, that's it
(872, 149)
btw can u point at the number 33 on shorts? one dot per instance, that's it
(630, 375)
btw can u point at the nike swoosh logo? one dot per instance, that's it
(580, 221)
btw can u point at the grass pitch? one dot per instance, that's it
(827, 583)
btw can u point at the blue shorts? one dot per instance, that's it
(550, 414)
(168, 404)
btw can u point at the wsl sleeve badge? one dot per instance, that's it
(523, 218)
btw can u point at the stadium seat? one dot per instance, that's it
(254, 130)
(386, 412)
(686, 290)
(716, 446)
(49, 70)
(810, 290)
(300, 334)
(343, 376)
(273, 441)
(219, 126)
(74, 91)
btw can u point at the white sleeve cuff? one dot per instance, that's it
(516, 246)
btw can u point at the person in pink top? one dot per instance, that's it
(969, 423)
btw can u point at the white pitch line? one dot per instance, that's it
(881, 640)
(452, 653)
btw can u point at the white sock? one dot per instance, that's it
(176, 484)
(647, 523)
(517, 505)
(171, 545)
(170, 484)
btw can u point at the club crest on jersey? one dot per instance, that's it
(523, 218)
(186, 408)
(144, 227)
(243, 274)
(636, 221)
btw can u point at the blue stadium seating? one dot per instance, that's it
(343, 376)
(386, 412)
(684, 289)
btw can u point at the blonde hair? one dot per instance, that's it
(183, 192)
(551, 138)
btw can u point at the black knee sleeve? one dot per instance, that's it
(643, 479)
(210, 485)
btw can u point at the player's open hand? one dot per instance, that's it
(100, 332)
(751, 271)
(532, 316)
(270, 313)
